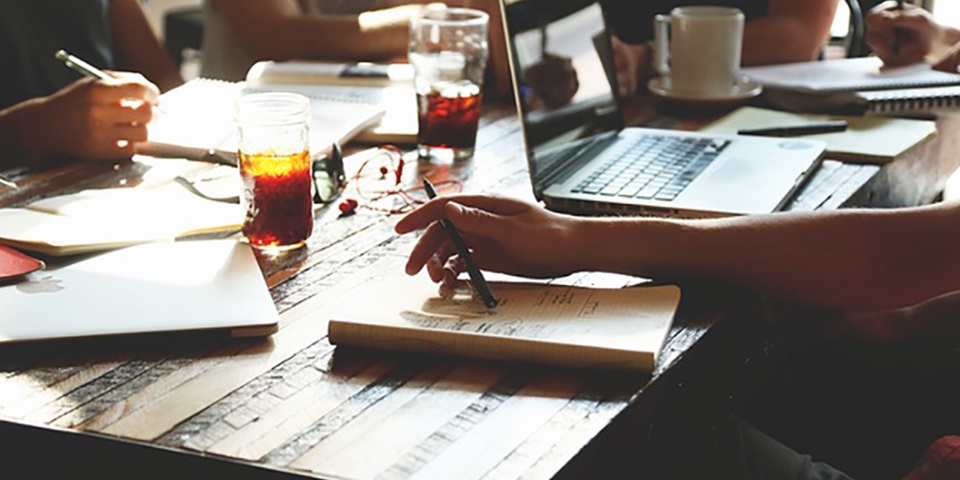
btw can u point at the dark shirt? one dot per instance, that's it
(632, 20)
(31, 31)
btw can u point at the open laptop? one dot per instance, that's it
(583, 160)
(204, 285)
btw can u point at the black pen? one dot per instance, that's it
(895, 47)
(797, 130)
(479, 283)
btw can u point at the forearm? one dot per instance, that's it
(779, 40)
(19, 135)
(855, 259)
(324, 37)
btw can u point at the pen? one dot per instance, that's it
(895, 47)
(81, 66)
(84, 68)
(479, 283)
(797, 130)
(8, 183)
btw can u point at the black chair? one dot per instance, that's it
(182, 29)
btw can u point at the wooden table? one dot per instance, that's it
(293, 405)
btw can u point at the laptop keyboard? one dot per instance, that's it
(654, 166)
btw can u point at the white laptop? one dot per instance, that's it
(583, 160)
(206, 285)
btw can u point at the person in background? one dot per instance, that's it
(853, 262)
(777, 31)
(238, 33)
(917, 35)
(48, 110)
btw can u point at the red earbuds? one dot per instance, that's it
(348, 206)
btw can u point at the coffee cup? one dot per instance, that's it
(697, 49)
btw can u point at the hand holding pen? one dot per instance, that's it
(901, 34)
(479, 283)
(101, 117)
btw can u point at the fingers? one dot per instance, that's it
(434, 209)
(949, 64)
(427, 245)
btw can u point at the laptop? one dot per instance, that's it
(204, 285)
(583, 160)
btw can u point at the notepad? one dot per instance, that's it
(870, 138)
(199, 116)
(386, 86)
(103, 219)
(849, 74)
(618, 328)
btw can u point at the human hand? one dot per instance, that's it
(97, 119)
(913, 27)
(504, 235)
(633, 66)
(553, 80)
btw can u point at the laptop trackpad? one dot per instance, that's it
(746, 185)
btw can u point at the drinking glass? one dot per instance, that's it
(448, 50)
(275, 168)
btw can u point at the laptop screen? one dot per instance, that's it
(564, 78)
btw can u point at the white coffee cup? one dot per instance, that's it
(698, 49)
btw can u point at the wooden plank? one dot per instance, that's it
(284, 422)
(374, 440)
(471, 453)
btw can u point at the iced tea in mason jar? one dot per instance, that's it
(275, 169)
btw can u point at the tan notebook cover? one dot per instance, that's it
(619, 328)
(870, 138)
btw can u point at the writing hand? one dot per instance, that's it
(912, 27)
(96, 119)
(504, 235)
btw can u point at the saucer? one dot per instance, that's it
(743, 90)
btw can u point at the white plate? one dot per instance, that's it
(743, 90)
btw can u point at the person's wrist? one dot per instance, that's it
(25, 126)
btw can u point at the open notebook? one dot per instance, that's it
(209, 285)
(386, 86)
(199, 116)
(618, 328)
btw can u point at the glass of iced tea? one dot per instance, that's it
(275, 169)
(448, 50)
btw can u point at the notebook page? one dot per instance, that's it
(849, 74)
(588, 320)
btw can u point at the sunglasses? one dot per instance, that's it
(327, 172)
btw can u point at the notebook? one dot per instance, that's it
(912, 100)
(14, 264)
(870, 138)
(583, 160)
(619, 328)
(847, 74)
(209, 285)
(387, 86)
(102, 219)
(199, 116)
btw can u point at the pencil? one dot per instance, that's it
(476, 277)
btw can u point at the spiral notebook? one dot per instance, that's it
(198, 117)
(912, 100)
(848, 75)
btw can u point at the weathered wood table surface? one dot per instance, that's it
(292, 404)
